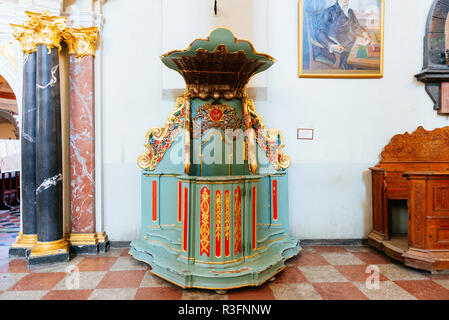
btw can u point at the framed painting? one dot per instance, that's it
(341, 38)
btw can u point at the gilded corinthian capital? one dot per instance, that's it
(81, 41)
(26, 36)
(48, 29)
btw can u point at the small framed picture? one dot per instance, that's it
(341, 38)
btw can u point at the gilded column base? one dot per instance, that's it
(49, 252)
(88, 243)
(24, 243)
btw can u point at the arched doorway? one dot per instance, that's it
(9, 162)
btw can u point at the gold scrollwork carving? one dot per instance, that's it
(159, 140)
(205, 222)
(48, 29)
(26, 35)
(81, 41)
(269, 140)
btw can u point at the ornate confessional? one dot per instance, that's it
(214, 180)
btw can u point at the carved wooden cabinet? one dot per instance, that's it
(428, 229)
(414, 167)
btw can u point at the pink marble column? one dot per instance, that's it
(82, 144)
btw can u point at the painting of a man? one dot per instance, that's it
(341, 36)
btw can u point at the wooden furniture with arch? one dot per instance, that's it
(414, 167)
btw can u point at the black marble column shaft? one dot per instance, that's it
(48, 147)
(28, 146)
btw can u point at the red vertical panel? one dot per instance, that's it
(154, 200)
(254, 217)
(237, 220)
(185, 220)
(227, 223)
(218, 223)
(179, 201)
(275, 199)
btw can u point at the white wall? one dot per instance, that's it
(330, 185)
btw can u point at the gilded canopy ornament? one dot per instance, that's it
(26, 35)
(48, 29)
(81, 41)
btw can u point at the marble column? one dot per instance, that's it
(27, 238)
(51, 246)
(83, 237)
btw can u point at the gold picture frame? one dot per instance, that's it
(362, 57)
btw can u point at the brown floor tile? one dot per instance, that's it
(290, 275)
(310, 259)
(96, 263)
(357, 273)
(263, 292)
(372, 257)
(165, 293)
(38, 281)
(15, 266)
(125, 253)
(122, 279)
(339, 291)
(67, 295)
(328, 249)
(424, 289)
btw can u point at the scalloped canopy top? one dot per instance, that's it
(219, 66)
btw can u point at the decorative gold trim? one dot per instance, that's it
(227, 218)
(81, 41)
(187, 132)
(27, 241)
(274, 240)
(50, 248)
(205, 222)
(149, 160)
(48, 29)
(26, 35)
(102, 237)
(281, 161)
(250, 135)
(237, 220)
(219, 182)
(154, 241)
(227, 262)
(83, 239)
(208, 39)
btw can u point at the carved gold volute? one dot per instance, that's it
(26, 35)
(48, 29)
(81, 41)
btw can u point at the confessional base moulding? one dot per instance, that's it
(434, 261)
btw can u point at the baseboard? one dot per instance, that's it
(334, 242)
(305, 242)
(120, 244)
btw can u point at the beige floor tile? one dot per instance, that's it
(128, 263)
(22, 295)
(116, 252)
(7, 280)
(341, 259)
(398, 272)
(307, 249)
(87, 280)
(194, 294)
(388, 290)
(151, 281)
(299, 291)
(443, 283)
(113, 294)
(322, 274)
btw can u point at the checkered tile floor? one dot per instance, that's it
(10, 221)
(319, 273)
